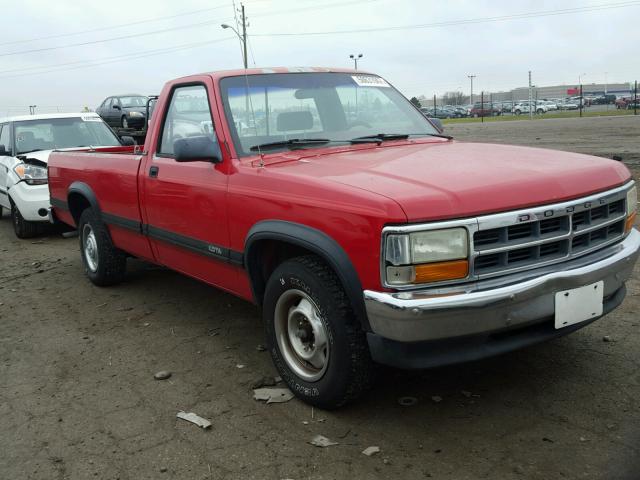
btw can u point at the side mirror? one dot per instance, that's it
(197, 149)
(437, 123)
(116, 107)
(127, 140)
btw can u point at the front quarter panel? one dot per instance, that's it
(353, 218)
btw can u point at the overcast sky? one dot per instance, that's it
(433, 59)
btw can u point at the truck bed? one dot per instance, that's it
(112, 179)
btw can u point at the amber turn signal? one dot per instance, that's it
(441, 271)
(631, 219)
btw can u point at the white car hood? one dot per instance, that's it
(42, 155)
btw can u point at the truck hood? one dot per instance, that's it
(442, 180)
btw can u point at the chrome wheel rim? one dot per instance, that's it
(90, 247)
(125, 123)
(301, 335)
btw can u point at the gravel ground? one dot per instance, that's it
(78, 399)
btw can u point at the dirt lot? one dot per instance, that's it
(78, 398)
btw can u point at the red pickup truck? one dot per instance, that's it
(364, 234)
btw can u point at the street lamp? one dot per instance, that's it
(355, 59)
(243, 40)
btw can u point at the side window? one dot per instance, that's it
(188, 115)
(115, 101)
(5, 137)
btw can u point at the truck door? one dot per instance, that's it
(185, 202)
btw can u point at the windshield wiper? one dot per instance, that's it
(380, 137)
(293, 142)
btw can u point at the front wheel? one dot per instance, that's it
(22, 227)
(103, 263)
(125, 122)
(314, 338)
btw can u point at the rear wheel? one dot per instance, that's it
(22, 227)
(103, 263)
(314, 338)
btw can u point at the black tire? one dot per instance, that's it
(22, 227)
(124, 122)
(518, 112)
(109, 263)
(349, 368)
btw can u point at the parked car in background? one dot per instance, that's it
(438, 112)
(551, 106)
(568, 104)
(124, 111)
(485, 109)
(380, 241)
(633, 104)
(25, 145)
(506, 107)
(523, 107)
(622, 102)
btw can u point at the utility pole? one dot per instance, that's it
(471, 77)
(530, 97)
(355, 58)
(635, 99)
(244, 37)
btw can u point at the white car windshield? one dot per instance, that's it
(52, 133)
(278, 108)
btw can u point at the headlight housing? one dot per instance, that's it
(31, 174)
(426, 256)
(632, 208)
(136, 114)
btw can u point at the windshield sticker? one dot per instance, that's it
(86, 118)
(369, 81)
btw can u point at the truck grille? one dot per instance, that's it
(526, 239)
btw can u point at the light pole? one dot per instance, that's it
(355, 58)
(471, 77)
(32, 109)
(243, 37)
(581, 97)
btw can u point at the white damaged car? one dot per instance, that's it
(25, 145)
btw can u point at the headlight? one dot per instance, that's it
(428, 256)
(31, 174)
(136, 114)
(632, 208)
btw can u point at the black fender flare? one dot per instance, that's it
(85, 191)
(310, 239)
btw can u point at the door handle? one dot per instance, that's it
(153, 172)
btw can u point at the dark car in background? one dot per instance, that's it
(486, 109)
(125, 111)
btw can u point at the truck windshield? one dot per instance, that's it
(52, 133)
(337, 107)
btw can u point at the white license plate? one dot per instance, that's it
(579, 304)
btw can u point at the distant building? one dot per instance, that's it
(561, 91)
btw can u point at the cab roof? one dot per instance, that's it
(216, 75)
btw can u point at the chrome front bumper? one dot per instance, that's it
(494, 305)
